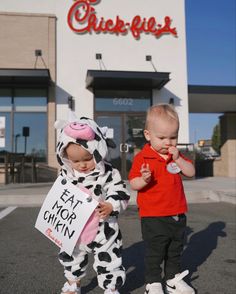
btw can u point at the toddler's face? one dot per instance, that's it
(162, 135)
(81, 160)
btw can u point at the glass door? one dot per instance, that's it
(133, 138)
(124, 112)
(127, 132)
(114, 123)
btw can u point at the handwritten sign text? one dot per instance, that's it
(64, 214)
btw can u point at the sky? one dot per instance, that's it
(211, 53)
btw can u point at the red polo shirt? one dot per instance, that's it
(164, 195)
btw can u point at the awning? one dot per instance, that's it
(211, 99)
(125, 80)
(29, 77)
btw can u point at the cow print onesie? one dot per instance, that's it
(105, 184)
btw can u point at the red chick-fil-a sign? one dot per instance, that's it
(82, 19)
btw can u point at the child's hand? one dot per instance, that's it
(174, 152)
(104, 209)
(146, 173)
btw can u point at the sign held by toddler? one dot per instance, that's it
(64, 214)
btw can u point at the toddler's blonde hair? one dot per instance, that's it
(161, 111)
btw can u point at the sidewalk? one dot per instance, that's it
(211, 189)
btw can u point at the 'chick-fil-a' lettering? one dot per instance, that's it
(82, 19)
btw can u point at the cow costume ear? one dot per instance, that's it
(104, 131)
(110, 143)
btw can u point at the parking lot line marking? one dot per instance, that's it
(6, 211)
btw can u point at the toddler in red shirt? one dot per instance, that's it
(155, 174)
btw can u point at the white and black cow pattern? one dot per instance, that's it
(105, 184)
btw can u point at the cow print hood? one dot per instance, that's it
(85, 132)
(104, 182)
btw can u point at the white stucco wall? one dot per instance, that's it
(76, 53)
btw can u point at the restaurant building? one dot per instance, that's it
(104, 59)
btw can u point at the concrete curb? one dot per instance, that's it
(211, 196)
(212, 189)
(222, 196)
(206, 196)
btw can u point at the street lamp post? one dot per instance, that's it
(16, 137)
(25, 133)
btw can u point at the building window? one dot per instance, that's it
(25, 115)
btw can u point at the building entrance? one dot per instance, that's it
(127, 132)
(123, 112)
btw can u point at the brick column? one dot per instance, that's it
(226, 165)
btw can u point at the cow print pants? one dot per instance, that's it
(106, 248)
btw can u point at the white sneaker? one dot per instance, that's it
(108, 291)
(73, 288)
(154, 288)
(178, 286)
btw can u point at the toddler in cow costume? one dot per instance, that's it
(81, 151)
